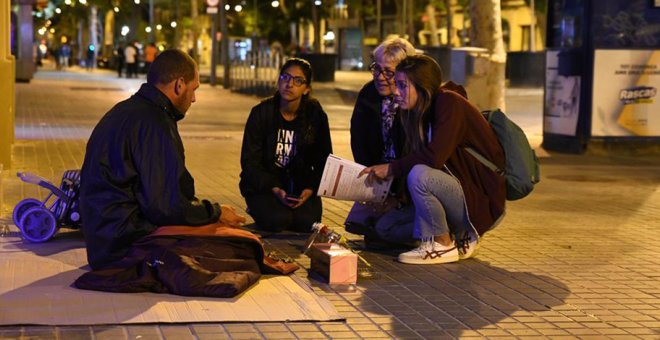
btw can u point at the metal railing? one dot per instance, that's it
(256, 74)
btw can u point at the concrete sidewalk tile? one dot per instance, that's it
(278, 335)
(212, 336)
(207, 329)
(107, 332)
(175, 331)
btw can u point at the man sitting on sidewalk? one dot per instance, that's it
(134, 178)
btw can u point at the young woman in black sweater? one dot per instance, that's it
(285, 145)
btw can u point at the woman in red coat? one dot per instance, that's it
(456, 198)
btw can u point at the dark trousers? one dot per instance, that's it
(120, 67)
(271, 215)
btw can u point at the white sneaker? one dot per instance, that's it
(467, 244)
(430, 253)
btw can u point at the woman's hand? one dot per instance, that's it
(376, 173)
(292, 201)
(304, 196)
(281, 195)
(229, 216)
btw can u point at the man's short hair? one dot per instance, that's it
(394, 49)
(170, 65)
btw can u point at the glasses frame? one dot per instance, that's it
(297, 81)
(376, 71)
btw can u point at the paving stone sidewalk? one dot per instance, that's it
(576, 259)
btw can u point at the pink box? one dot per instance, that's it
(334, 262)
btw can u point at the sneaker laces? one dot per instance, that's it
(463, 243)
(427, 249)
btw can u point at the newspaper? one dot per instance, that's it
(340, 181)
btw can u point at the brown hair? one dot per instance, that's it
(170, 65)
(425, 75)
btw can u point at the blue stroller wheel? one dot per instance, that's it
(38, 224)
(21, 208)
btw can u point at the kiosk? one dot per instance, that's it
(602, 73)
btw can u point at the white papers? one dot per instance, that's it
(340, 181)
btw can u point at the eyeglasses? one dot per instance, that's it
(376, 70)
(298, 81)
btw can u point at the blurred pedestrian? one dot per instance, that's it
(131, 57)
(120, 58)
(64, 55)
(150, 53)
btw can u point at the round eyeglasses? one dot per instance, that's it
(298, 81)
(376, 71)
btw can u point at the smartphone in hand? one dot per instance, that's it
(293, 198)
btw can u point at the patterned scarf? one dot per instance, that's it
(388, 109)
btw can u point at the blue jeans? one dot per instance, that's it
(439, 203)
(438, 207)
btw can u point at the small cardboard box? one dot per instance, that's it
(335, 263)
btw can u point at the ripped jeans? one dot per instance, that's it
(438, 208)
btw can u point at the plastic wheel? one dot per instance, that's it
(39, 224)
(22, 207)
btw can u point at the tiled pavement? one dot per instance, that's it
(576, 259)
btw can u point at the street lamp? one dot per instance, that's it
(275, 3)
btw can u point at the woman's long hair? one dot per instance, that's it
(425, 75)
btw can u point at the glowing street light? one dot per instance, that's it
(173, 24)
(58, 10)
(275, 3)
(125, 30)
(238, 8)
(159, 27)
(116, 9)
(147, 29)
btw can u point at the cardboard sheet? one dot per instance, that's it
(35, 288)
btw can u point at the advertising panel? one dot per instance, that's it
(562, 98)
(625, 94)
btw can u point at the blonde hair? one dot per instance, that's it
(393, 50)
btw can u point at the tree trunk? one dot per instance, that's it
(433, 27)
(195, 27)
(486, 32)
(450, 23)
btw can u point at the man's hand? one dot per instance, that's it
(376, 173)
(229, 216)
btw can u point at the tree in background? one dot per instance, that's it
(486, 32)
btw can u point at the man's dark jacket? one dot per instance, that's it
(367, 128)
(259, 174)
(134, 177)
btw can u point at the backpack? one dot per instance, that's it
(522, 166)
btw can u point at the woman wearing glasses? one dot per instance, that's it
(377, 137)
(452, 192)
(285, 144)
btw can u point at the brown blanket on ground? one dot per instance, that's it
(213, 260)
